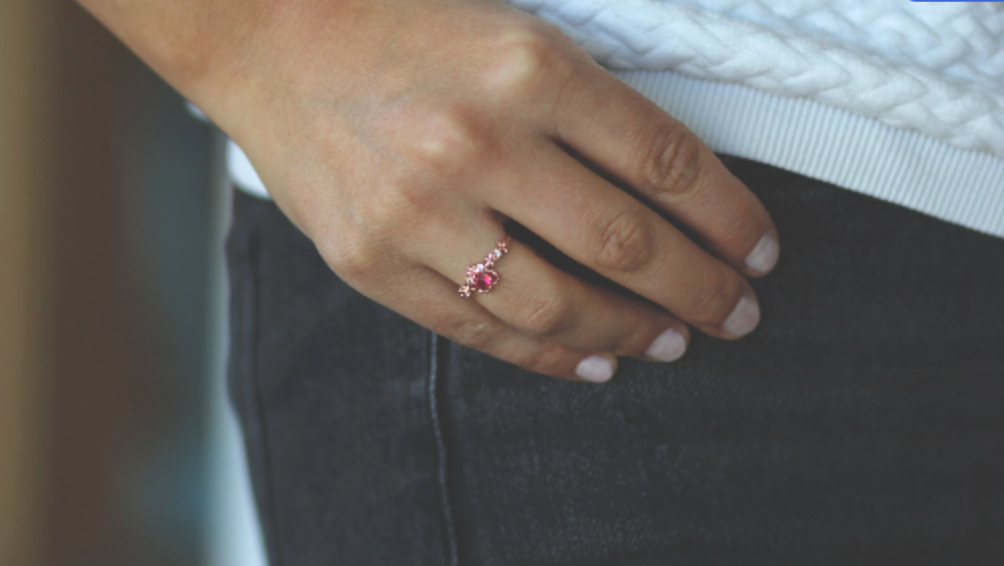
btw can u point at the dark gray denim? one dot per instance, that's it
(862, 422)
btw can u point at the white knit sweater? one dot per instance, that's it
(903, 101)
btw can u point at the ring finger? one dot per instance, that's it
(540, 300)
(467, 323)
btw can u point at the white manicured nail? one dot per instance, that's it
(596, 369)
(669, 346)
(744, 317)
(764, 254)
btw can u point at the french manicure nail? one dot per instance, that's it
(669, 346)
(744, 317)
(764, 254)
(596, 369)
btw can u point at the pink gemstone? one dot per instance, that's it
(484, 280)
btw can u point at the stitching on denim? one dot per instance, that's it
(437, 428)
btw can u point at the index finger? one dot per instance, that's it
(632, 139)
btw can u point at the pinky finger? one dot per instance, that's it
(467, 323)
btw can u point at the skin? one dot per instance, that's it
(400, 136)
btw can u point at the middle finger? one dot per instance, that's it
(606, 229)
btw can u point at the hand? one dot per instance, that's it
(401, 136)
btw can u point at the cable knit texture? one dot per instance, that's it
(937, 69)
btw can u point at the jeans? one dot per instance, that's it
(861, 422)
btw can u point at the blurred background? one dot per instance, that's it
(116, 443)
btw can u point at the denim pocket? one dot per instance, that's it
(242, 388)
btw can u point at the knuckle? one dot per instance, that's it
(625, 243)
(524, 59)
(352, 257)
(473, 333)
(547, 316)
(400, 204)
(444, 141)
(391, 209)
(547, 358)
(670, 163)
(714, 299)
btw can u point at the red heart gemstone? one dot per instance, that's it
(484, 280)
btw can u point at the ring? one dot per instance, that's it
(481, 277)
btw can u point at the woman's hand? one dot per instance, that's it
(400, 136)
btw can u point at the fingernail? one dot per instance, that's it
(669, 346)
(764, 254)
(744, 317)
(596, 369)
